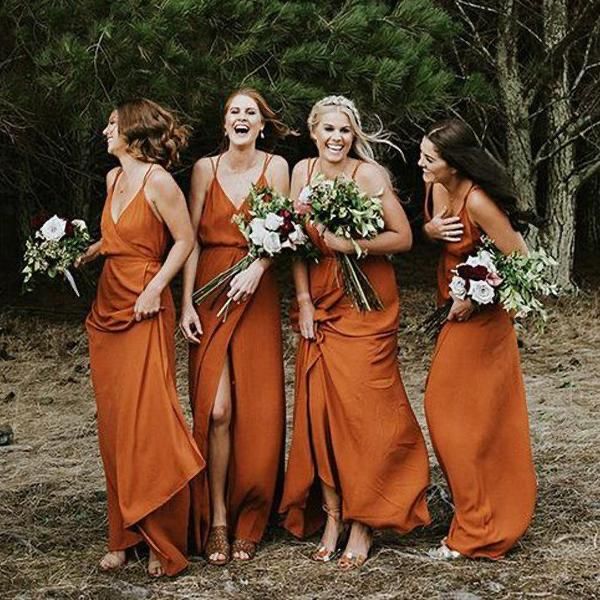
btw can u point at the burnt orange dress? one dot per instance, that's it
(354, 428)
(477, 418)
(250, 337)
(149, 455)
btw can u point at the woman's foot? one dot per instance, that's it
(218, 550)
(113, 560)
(334, 527)
(443, 553)
(243, 549)
(358, 547)
(155, 568)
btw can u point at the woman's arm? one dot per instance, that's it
(168, 201)
(244, 284)
(189, 322)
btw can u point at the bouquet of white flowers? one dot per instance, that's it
(52, 250)
(341, 207)
(515, 281)
(272, 229)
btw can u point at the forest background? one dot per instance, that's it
(524, 73)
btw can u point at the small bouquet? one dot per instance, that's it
(341, 207)
(489, 276)
(273, 228)
(53, 248)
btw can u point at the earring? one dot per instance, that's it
(262, 134)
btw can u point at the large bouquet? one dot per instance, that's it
(341, 207)
(515, 281)
(271, 229)
(53, 248)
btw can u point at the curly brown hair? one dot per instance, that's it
(152, 133)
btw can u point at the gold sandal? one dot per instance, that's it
(218, 543)
(322, 553)
(349, 560)
(246, 546)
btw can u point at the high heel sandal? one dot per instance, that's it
(322, 553)
(349, 560)
(218, 543)
(246, 546)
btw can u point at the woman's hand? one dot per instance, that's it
(445, 229)
(189, 323)
(337, 243)
(147, 304)
(306, 319)
(89, 255)
(460, 310)
(244, 284)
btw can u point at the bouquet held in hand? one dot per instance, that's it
(53, 248)
(343, 209)
(271, 228)
(515, 281)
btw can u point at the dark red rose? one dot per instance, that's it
(287, 227)
(478, 273)
(267, 197)
(286, 214)
(39, 219)
(69, 229)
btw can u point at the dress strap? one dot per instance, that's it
(310, 167)
(214, 164)
(268, 159)
(428, 205)
(114, 183)
(358, 164)
(147, 175)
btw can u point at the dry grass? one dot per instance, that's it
(52, 513)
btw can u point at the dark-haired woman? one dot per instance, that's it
(475, 399)
(149, 455)
(236, 366)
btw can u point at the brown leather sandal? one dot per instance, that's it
(322, 553)
(218, 543)
(246, 546)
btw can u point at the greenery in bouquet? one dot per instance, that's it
(53, 248)
(341, 207)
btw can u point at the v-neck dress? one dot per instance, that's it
(477, 417)
(250, 337)
(354, 428)
(148, 453)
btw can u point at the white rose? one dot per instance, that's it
(53, 229)
(297, 236)
(458, 287)
(304, 196)
(257, 231)
(271, 242)
(484, 259)
(273, 222)
(79, 223)
(481, 292)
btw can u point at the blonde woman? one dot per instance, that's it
(358, 457)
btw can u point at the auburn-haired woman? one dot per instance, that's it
(475, 399)
(357, 456)
(236, 366)
(149, 455)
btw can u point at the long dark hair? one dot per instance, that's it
(457, 144)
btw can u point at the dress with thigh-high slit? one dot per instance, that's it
(250, 338)
(148, 453)
(354, 428)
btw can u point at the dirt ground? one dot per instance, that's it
(52, 499)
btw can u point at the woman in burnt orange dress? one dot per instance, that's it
(475, 399)
(357, 454)
(236, 365)
(149, 455)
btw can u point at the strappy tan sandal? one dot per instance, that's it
(218, 543)
(240, 545)
(350, 560)
(322, 553)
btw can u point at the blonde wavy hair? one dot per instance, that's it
(152, 133)
(363, 140)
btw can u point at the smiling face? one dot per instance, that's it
(115, 143)
(333, 135)
(243, 120)
(435, 168)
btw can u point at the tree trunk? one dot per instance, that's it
(558, 234)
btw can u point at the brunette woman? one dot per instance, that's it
(357, 456)
(475, 399)
(236, 367)
(149, 455)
